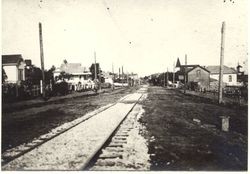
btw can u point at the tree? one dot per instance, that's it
(63, 75)
(92, 70)
(49, 75)
(33, 75)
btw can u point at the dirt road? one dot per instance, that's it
(176, 142)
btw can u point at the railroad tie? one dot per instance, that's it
(104, 156)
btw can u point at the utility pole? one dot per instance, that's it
(113, 70)
(42, 59)
(127, 78)
(164, 79)
(221, 62)
(99, 77)
(122, 76)
(113, 86)
(185, 74)
(174, 73)
(119, 73)
(167, 77)
(95, 66)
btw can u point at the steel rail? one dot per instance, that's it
(6, 160)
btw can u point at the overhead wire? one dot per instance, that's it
(114, 21)
(122, 34)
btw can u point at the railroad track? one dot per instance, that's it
(126, 149)
(14, 159)
(11, 154)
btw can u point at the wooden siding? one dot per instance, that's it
(200, 76)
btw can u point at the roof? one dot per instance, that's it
(187, 68)
(12, 59)
(195, 65)
(216, 70)
(178, 63)
(72, 68)
(213, 80)
(199, 67)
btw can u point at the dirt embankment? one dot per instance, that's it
(176, 142)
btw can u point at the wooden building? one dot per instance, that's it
(14, 67)
(199, 76)
(196, 76)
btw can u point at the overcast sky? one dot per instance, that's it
(145, 36)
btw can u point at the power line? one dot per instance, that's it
(122, 34)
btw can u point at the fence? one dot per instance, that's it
(14, 92)
(35, 91)
(239, 96)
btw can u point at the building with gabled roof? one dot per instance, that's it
(75, 70)
(197, 77)
(229, 74)
(14, 67)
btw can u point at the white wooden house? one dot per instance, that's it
(79, 76)
(14, 67)
(229, 74)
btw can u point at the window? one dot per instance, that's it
(198, 73)
(230, 78)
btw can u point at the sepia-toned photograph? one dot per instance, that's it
(124, 85)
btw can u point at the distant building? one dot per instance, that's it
(229, 74)
(133, 79)
(183, 69)
(242, 78)
(14, 67)
(196, 75)
(107, 77)
(76, 73)
(199, 76)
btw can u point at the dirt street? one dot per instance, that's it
(178, 142)
(22, 126)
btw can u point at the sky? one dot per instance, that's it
(143, 36)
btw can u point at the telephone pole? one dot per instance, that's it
(42, 59)
(221, 62)
(113, 70)
(164, 79)
(95, 66)
(99, 70)
(167, 77)
(127, 78)
(113, 85)
(174, 73)
(185, 74)
(122, 76)
(119, 74)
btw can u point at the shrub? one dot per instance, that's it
(105, 85)
(61, 88)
